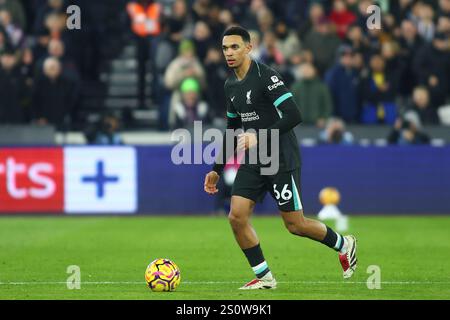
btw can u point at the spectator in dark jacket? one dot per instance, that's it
(202, 39)
(216, 74)
(12, 84)
(43, 10)
(57, 49)
(55, 28)
(55, 96)
(394, 64)
(410, 42)
(401, 9)
(422, 106)
(363, 15)
(27, 70)
(342, 80)
(432, 66)
(357, 40)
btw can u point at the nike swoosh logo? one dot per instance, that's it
(232, 99)
(281, 203)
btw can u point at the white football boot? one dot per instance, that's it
(348, 260)
(260, 284)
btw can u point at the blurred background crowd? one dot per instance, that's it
(158, 64)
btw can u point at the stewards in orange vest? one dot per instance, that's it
(145, 17)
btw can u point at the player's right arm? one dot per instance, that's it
(234, 123)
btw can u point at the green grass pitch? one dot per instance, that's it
(413, 254)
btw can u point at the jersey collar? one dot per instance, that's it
(250, 70)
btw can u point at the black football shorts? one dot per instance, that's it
(283, 186)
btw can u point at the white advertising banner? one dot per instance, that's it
(100, 180)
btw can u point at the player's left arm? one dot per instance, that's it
(282, 99)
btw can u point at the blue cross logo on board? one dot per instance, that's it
(100, 179)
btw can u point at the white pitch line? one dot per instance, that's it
(221, 282)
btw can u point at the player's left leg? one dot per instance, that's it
(298, 225)
(285, 189)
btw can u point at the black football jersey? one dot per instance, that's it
(258, 101)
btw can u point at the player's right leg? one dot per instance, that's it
(239, 217)
(249, 188)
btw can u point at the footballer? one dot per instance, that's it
(257, 98)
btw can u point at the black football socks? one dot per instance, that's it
(256, 259)
(334, 240)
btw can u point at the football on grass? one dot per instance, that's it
(162, 275)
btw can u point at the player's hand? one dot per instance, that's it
(211, 180)
(246, 141)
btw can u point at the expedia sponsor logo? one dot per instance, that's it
(249, 116)
(276, 85)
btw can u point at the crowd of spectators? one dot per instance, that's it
(334, 64)
(336, 67)
(42, 63)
